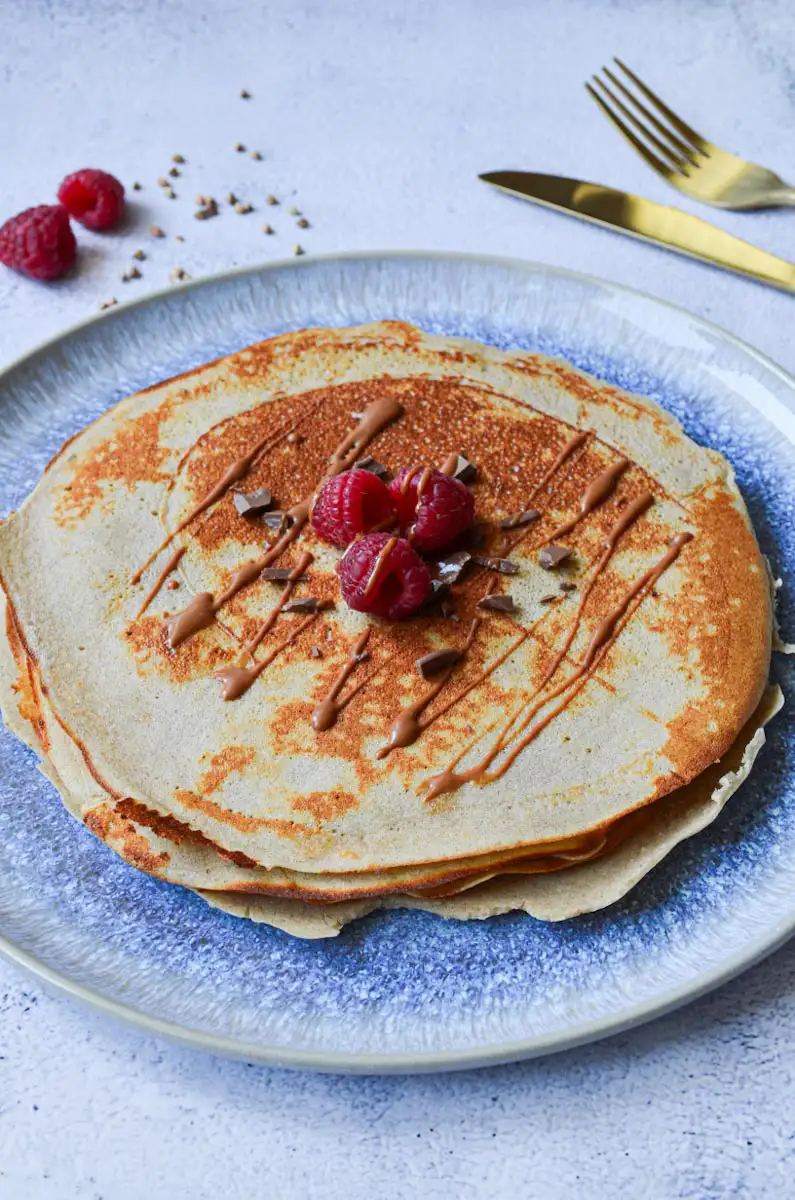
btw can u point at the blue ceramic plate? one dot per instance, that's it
(406, 991)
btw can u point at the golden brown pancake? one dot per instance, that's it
(621, 676)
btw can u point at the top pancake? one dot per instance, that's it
(665, 698)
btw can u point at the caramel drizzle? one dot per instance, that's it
(161, 579)
(330, 707)
(450, 464)
(602, 639)
(237, 680)
(202, 609)
(408, 727)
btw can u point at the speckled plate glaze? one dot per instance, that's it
(406, 991)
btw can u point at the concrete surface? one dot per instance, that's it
(374, 120)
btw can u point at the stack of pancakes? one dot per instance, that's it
(586, 729)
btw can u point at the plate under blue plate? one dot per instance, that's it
(407, 991)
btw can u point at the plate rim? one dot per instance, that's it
(416, 1061)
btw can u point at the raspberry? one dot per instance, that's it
(402, 581)
(435, 518)
(39, 242)
(93, 198)
(351, 503)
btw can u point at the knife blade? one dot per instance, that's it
(651, 222)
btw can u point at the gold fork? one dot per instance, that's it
(683, 157)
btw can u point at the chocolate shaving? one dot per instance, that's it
(568, 587)
(552, 556)
(437, 661)
(475, 536)
(440, 591)
(498, 603)
(303, 604)
(278, 520)
(253, 504)
(280, 573)
(373, 466)
(316, 652)
(549, 598)
(465, 471)
(518, 519)
(505, 566)
(450, 568)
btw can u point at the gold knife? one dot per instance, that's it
(649, 221)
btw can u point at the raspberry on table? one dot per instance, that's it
(351, 503)
(94, 198)
(433, 508)
(381, 574)
(39, 242)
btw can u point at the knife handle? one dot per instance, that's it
(684, 233)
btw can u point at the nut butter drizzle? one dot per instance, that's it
(161, 579)
(269, 621)
(379, 566)
(423, 482)
(602, 638)
(330, 707)
(236, 471)
(633, 510)
(237, 680)
(408, 726)
(595, 494)
(202, 609)
(597, 491)
(636, 508)
(574, 443)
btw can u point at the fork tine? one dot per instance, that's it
(660, 167)
(698, 141)
(685, 150)
(677, 161)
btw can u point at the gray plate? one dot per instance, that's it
(405, 991)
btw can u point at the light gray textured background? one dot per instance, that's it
(374, 119)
